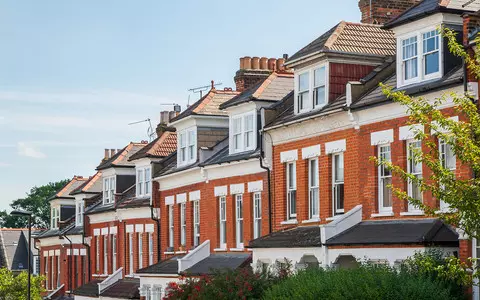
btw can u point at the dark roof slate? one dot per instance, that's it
(126, 288)
(418, 231)
(88, 289)
(298, 237)
(121, 158)
(168, 266)
(219, 262)
(223, 156)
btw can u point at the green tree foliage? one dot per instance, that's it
(460, 192)
(14, 287)
(36, 201)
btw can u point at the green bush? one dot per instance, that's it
(365, 282)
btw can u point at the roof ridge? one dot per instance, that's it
(362, 24)
(334, 36)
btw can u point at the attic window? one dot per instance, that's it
(242, 132)
(108, 190)
(55, 217)
(187, 147)
(311, 88)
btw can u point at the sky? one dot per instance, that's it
(74, 74)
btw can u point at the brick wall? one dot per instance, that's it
(340, 74)
(382, 11)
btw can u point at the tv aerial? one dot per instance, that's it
(151, 133)
(204, 88)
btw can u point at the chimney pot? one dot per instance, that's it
(247, 62)
(280, 63)
(264, 63)
(112, 152)
(107, 154)
(213, 84)
(255, 63)
(242, 63)
(285, 56)
(272, 64)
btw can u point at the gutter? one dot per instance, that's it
(304, 119)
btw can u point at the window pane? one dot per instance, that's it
(320, 96)
(237, 125)
(339, 168)
(303, 83)
(387, 192)
(430, 41)
(411, 69)
(320, 77)
(339, 196)
(432, 64)
(248, 122)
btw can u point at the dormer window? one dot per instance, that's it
(108, 190)
(55, 217)
(243, 132)
(187, 147)
(311, 89)
(420, 57)
(144, 181)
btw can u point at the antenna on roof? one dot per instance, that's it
(150, 132)
(468, 3)
(204, 88)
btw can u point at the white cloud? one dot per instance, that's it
(29, 151)
(2, 165)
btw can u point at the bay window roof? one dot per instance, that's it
(121, 158)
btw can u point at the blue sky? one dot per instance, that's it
(73, 74)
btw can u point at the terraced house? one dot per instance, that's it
(277, 169)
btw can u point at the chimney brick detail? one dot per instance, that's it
(382, 11)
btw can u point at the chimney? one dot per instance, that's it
(165, 117)
(252, 70)
(107, 154)
(383, 11)
(112, 152)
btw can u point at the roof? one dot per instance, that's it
(376, 95)
(92, 185)
(167, 266)
(219, 262)
(418, 231)
(126, 288)
(429, 7)
(208, 104)
(298, 237)
(14, 248)
(160, 147)
(271, 89)
(129, 199)
(223, 156)
(351, 38)
(121, 158)
(65, 191)
(88, 289)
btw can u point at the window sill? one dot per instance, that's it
(180, 252)
(169, 253)
(220, 249)
(333, 218)
(237, 249)
(446, 211)
(289, 222)
(383, 214)
(412, 213)
(316, 220)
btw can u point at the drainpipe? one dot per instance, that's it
(69, 265)
(87, 248)
(125, 239)
(262, 156)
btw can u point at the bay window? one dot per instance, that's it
(187, 146)
(196, 223)
(55, 216)
(144, 178)
(183, 223)
(223, 222)
(171, 228)
(319, 88)
(79, 214)
(291, 191)
(239, 221)
(108, 190)
(303, 91)
(414, 167)
(313, 192)
(243, 132)
(257, 215)
(338, 183)
(384, 180)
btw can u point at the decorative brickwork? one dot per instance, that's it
(382, 11)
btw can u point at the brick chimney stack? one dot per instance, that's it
(382, 11)
(165, 117)
(254, 69)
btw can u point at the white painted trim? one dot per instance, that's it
(109, 216)
(96, 232)
(383, 214)
(195, 195)
(83, 252)
(193, 257)
(139, 228)
(68, 252)
(381, 137)
(408, 132)
(311, 152)
(76, 252)
(255, 186)
(181, 198)
(288, 156)
(220, 191)
(104, 230)
(129, 228)
(237, 189)
(149, 228)
(57, 252)
(289, 222)
(412, 213)
(45, 253)
(336, 146)
(113, 230)
(440, 129)
(316, 220)
(170, 200)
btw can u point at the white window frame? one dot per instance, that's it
(140, 250)
(222, 205)
(243, 132)
(55, 217)
(310, 101)
(383, 175)
(291, 191)
(239, 225)
(421, 70)
(171, 227)
(336, 184)
(317, 87)
(36, 260)
(196, 223)
(58, 270)
(114, 252)
(97, 254)
(187, 146)
(304, 94)
(183, 224)
(313, 190)
(109, 187)
(47, 261)
(412, 208)
(130, 250)
(80, 208)
(105, 254)
(257, 215)
(150, 249)
(144, 186)
(444, 158)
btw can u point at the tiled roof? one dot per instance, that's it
(271, 89)
(219, 262)
(129, 199)
(126, 288)
(65, 191)
(120, 159)
(223, 156)
(13, 248)
(167, 266)
(208, 104)
(419, 231)
(92, 185)
(160, 147)
(89, 289)
(299, 237)
(352, 38)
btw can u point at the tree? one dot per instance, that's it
(14, 287)
(459, 191)
(36, 202)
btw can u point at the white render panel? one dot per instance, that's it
(288, 156)
(68, 252)
(220, 191)
(104, 230)
(113, 230)
(195, 195)
(170, 200)
(138, 227)
(336, 146)
(312, 151)
(83, 252)
(255, 186)
(76, 252)
(57, 252)
(381, 137)
(96, 231)
(45, 253)
(129, 228)
(181, 198)
(149, 228)
(237, 188)
(440, 129)
(408, 132)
